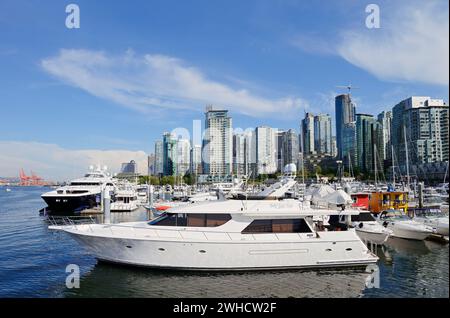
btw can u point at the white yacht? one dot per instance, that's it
(403, 226)
(79, 194)
(433, 218)
(125, 201)
(368, 229)
(142, 193)
(227, 235)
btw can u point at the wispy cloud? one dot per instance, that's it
(57, 163)
(412, 44)
(157, 82)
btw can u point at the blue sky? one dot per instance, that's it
(137, 68)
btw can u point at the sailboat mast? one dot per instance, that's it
(407, 157)
(393, 166)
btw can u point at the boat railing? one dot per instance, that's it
(71, 220)
(177, 233)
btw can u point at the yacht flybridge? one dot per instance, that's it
(80, 194)
(228, 235)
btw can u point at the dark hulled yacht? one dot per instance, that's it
(80, 194)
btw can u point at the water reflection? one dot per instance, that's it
(107, 280)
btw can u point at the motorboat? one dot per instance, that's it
(433, 218)
(368, 229)
(8, 190)
(125, 201)
(226, 235)
(79, 194)
(403, 226)
(142, 194)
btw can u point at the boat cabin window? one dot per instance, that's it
(191, 220)
(277, 226)
(363, 217)
(85, 184)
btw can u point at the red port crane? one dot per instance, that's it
(33, 180)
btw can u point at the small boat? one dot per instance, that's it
(368, 229)
(403, 226)
(8, 190)
(125, 201)
(434, 218)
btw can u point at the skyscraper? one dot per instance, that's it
(266, 150)
(183, 156)
(322, 134)
(217, 150)
(290, 148)
(239, 154)
(170, 152)
(196, 159)
(426, 123)
(364, 142)
(385, 120)
(159, 157)
(345, 115)
(307, 129)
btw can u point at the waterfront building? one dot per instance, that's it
(196, 159)
(280, 160)
(345, 116)
(334, 151)
(183, 156)
(289, 148)
(348, 153)
(151, 165)
(170, 152)
(159, 158)
(250, 142)
(426, 123)
(217, 149)
(307, 133)
(129, 167)
(322, 134)
(266, 150)
(239, 154)
(385, 150)
(369, 144)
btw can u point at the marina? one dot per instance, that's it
(404, 268)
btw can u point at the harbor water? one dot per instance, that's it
(33, 263)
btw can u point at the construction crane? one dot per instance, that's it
(349, 87)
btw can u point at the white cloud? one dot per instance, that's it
(157, 82)
(56, 163)
(411, 45)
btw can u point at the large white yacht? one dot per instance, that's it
(227, 235)
(79, 194)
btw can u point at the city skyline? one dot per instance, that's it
(66, 101)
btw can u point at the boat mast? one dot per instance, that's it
(407, 158)
(393, 166)
(375, 162)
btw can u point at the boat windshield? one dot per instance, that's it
(394, 214)
(363, 217)
(430, 213)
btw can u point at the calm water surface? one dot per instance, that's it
(33, 262)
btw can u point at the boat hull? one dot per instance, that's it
(225, 256)
(373, 237)
(410, 234)
(70, 204)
